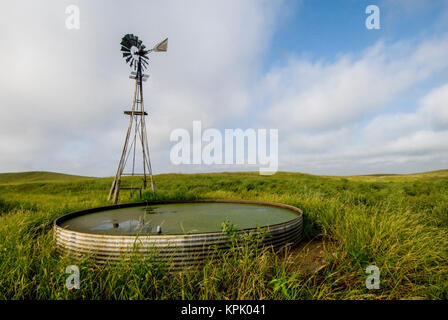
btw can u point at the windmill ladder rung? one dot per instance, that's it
(134, 174)
(136, 113)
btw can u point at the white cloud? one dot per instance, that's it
(62, 92)
(394, 142)
(435, 105)
(329, 95)
(346, 116)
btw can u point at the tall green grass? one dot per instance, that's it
(398, 223)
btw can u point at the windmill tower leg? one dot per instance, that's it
(153, 185)
(115, 188)
(145, 147)
(142, 123)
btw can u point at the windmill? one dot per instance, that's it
(136, 55)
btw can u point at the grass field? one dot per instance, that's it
(396, 222)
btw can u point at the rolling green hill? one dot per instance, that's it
(47, 176)
(36, 176)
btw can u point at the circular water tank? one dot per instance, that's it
(181, 233)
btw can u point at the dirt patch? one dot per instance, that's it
(308, 256)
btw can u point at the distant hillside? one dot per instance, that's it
(35, 176)
(435, 172)
(45, 176)
(429, 175)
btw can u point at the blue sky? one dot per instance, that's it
(324, 29)
(345, 99)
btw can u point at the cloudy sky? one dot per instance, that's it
(345, 99)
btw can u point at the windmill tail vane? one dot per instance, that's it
(135, 54)
(161, 46)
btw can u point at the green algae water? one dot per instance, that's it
(178, 218)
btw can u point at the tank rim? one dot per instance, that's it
(57, 222)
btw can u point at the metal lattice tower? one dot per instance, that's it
(135, 54)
